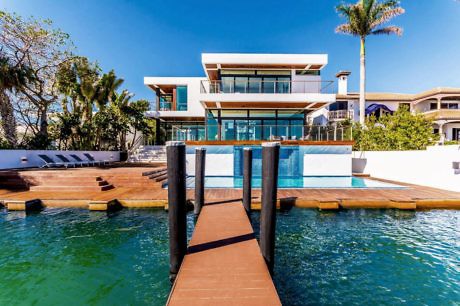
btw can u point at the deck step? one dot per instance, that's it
(147, 173)
(157, 174)
(71, 188)
(161, 178)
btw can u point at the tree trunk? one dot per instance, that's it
(8, 120)
(362, 83)
(43, 123)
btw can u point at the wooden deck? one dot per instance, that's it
(223, 265)
(80, 187)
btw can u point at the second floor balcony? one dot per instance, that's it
(339, 115)
(266, 87)
(443, 114)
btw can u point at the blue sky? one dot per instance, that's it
(166, 38)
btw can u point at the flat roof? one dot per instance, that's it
(214, 61)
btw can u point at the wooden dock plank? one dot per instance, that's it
(223, 265)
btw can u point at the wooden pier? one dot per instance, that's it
(223, 264)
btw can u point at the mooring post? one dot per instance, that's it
(177, 210)
(247, 177)
(270, 163)
(200, 161)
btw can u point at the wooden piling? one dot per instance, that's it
(270, 163)
(247, 176)
(200, 163)
(177, 210)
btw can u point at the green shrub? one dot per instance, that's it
(399, 131)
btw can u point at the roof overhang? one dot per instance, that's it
(214, 61)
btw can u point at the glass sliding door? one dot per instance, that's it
(269, 129)
(228, 129)
(255, 85)
(241, 129)
(241, 84)
(269, 85)
(255, 130)
(283, 128)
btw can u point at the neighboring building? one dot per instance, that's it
(278, 96)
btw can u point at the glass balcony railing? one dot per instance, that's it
(266, 87)
(260, 132)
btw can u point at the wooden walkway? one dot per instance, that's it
(223, 265)
(132, 189)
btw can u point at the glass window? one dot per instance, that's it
(453, 106)
(433, 106)
(228, 130)
(255, 130)
(283, 128)
(241, 129)
(262, 113)
(283, 85)
(237, 72)
(241, 84)
(212, 124)
(269, 129)
(269, 85)
(296, 129)
(255, 85)
(308, 72)
(339, 105)
(294, 114)
(234, 113)
(227, 84)
(273, 72)
(181, 98)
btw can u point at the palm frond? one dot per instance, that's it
(345, 29)
(388, 30)
(387, 15)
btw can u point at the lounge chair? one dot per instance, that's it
(50, 163)
(81, 161)
(91, 158)
(67, 161)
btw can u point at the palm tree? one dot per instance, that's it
(365, 18)
(12, 78)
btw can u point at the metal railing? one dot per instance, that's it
(261, 132)
(341, 114)
(268, 87)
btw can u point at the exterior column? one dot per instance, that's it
(439, 103)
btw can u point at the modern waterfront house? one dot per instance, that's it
(244, 97)
(279, 96)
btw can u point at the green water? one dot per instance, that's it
(77, 257)
(356, 257)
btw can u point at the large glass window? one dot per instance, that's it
(255, 130)
(241, 84)
(241, 129)
(269, 129)
(181, 98)
(228, 130)
(283, 85)
(269, 85)
(212, 125)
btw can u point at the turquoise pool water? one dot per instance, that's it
(356, 257)
(295, 182)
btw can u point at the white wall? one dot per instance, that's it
(327, 165)
(216, 164)
(431, 167)
(12, 158)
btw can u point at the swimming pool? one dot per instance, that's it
(327, 182)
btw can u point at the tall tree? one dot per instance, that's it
(12, 79)
(42, 48)
(368, 17)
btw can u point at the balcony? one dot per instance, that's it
(266, 87)
(249, 132)
(443, 114)
(339, 115)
